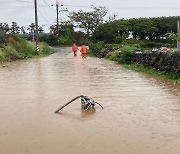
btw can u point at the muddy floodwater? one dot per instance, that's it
(141, 113)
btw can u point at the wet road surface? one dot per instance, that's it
(141, 115)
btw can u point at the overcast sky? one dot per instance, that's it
(22, 11)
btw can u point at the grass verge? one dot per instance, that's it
(15, 48)
(140, 68)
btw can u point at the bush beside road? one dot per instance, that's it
(14, 48)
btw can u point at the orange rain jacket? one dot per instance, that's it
(74, 48)
(84, 49)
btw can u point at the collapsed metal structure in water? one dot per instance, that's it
(86, 103)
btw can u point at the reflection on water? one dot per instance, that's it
(79, 115)
(168, 85)
(141, 112)
(88, 113)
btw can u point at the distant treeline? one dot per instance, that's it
(117, 31)
(139, 29)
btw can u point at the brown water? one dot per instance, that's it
(141, 115)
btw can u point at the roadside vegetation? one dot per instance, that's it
(140, 68)
(14, 48)
(132, 57)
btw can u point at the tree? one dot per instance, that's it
(5, 27)
(32, 28)
(40, 30)
(66, 33)
(53, 29)
(15, 29)
(173, 36)
(143, 28)
(153, 28)
(89, 21)
(62, 27)
(109, 31)
(22, 30)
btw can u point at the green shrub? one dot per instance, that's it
(11, 52)
(62, 40)
(114, 46)
(113, 56)
(99, 45)
(51, 39)
(129, 48)
(96, 47)
(122, 55)
(120, 39)
(125, 57)
(176, 51)
(155, 44)
(23, 47)
(2, 56)
(131, 41)
(18, 48)
(126, 53)
(45, 49)
(146, 44)
(29, 49)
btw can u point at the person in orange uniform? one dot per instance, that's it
(75, 49)
(84, 51)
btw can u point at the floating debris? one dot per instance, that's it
(86, 103)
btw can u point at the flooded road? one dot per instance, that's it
(141, 115)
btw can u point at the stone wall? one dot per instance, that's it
(102, 53)
(161, 61)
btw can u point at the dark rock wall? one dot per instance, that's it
(166, 62)
(161, 61)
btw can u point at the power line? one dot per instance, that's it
(46, 11)
(48, 5)
(121, 8)
(24, 1)
(43, 16)
(127, 8)
(63, 11)
(144, 8)
(84, 6)
(78, 6)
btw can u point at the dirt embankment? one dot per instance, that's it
(13, 48)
